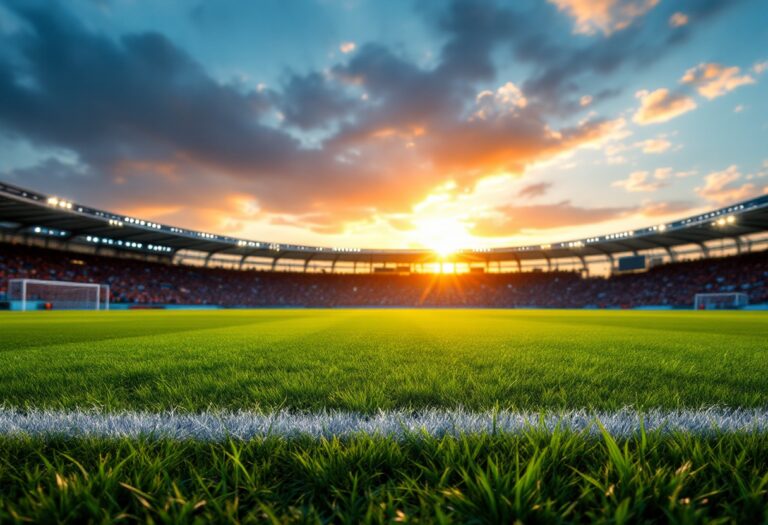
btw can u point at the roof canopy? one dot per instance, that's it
(24, 211)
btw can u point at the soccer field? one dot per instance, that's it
(117, 416)
(368, 360)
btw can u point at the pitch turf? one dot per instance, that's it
(535, 478)
(404, 361)
(367, 360)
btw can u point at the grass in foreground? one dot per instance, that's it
(365, 360)
(535, 478)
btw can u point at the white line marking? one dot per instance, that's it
(217, 426)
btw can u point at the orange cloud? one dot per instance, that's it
(657, 145)
(641, 181)
(722, 187)
(661, 105)
(715, 80)
(665, 208)
(512, 144)
(510, 220)
(678, 19)
(606, 16)
(347, 47)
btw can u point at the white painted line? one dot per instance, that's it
(217, 426)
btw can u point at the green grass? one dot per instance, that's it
(366, 360)
(536, 478)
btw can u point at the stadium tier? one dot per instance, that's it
(145, 263)
(27, 215)
(142, 283)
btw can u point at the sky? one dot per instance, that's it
(388, 124)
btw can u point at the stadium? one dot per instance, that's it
(711, 260)
(184, 376)
(468, 261)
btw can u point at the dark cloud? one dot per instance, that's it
(313, 101)
(475, 28)
(140, 97)
(142, 101)
(142, 115)
(534, 190)
(533, 34)
(401, 94)
(560, 70)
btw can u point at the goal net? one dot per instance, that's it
(720, 301)
(35, 294)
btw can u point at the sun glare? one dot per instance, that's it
(443, 235)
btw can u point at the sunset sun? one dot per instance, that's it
(443, 235)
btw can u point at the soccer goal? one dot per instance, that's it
(720, 301)
(36, 294)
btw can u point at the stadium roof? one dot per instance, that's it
(28, 212)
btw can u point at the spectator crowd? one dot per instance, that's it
(144, 283)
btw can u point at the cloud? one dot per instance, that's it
(109, 112)
(654, 146)
(194, 201)
(347, 47)
(509, 220)
(216, 135)
(559, 68)
(500, 132)
(148, 123)
(510, 143)
(715, 80)
(665, 208)
(642, 181)
(534, 190)
(312, 101)
(213, 135)
(661, 105)
(760, 67)
(678, 19)
(506, 98)
(606, 16)
(722, 187)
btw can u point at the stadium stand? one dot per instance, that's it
(36, 218)
(147, 263)
(143, 283)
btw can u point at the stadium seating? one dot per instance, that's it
(141, 283)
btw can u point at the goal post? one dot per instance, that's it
(720, 301)
(38, 294)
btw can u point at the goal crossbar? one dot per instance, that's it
(720, 300)
(22, 287)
